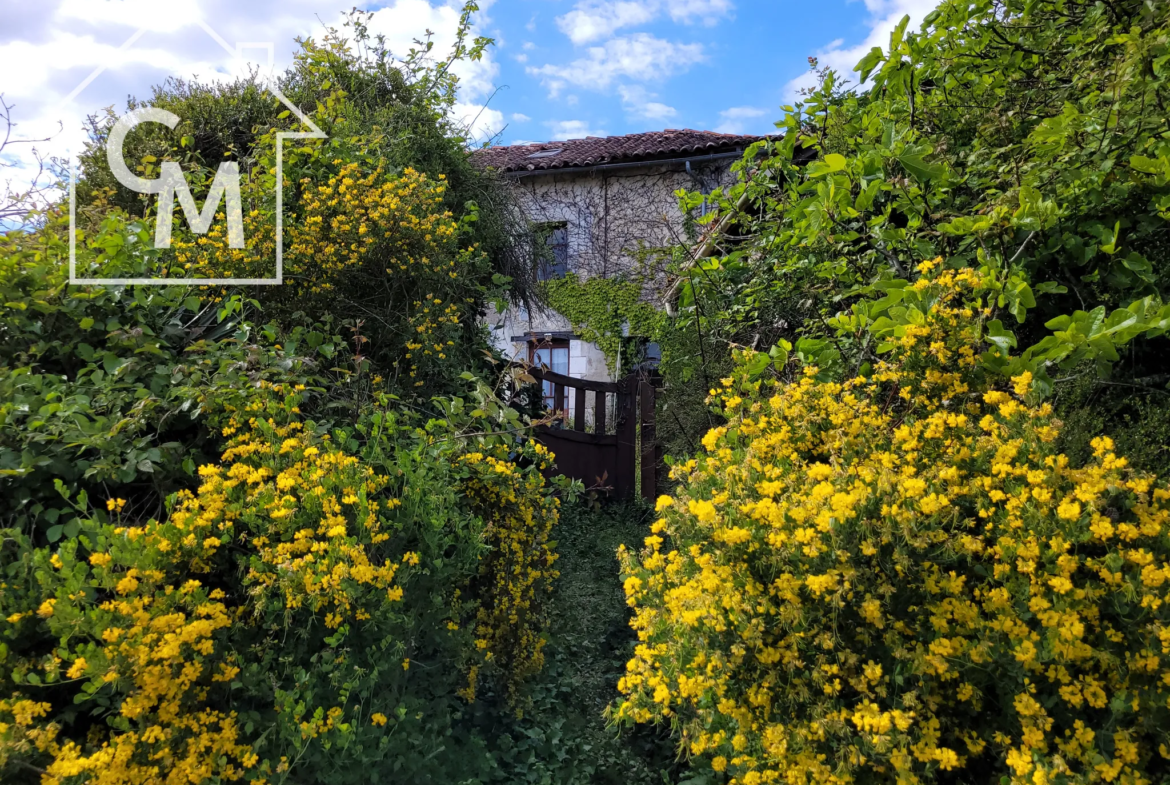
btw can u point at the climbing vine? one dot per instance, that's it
(599, 307)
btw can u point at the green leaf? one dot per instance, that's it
(779, 354)
(836, 162)
(920, 169)
(1002, 339)
(896, 36)
(866, 64)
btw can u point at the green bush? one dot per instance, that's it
(1025, 138)
(898, 578)
(108, 388)
(279, 534)
(320, 598)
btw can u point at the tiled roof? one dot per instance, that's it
(594, 150)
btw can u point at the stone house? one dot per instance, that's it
(596, 207)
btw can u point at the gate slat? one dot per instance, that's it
(626, 426)
(649, 442)
(608, 456)
(559, 399)
(579, 405)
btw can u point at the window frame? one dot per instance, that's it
(552, 344)
(545, 262)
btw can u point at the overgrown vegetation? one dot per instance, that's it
(898, 578)
(563, 737)
(1025, 139)
(290, 535)
(891, 561)
(283, 534)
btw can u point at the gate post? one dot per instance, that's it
(649, 468)
(626, 416)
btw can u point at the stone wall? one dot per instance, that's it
(615, 219)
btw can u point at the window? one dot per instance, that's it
(551, 243)
(552, 353)
(640, 354)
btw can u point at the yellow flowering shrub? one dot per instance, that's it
(318, 590)
(357, 233)
(387, 248)
(343, 214)
(899, 579)
(517, 574)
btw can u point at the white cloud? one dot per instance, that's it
(53, 45)
(572, 129)
(639, 103)
(593, 20)
(517, 117)
(707, 12)
(407, 20)
(639, 57)
(482, 122)
(529, 46)
(658, 111)
(736, 119)
(596, 19)
(520, 57)
(884, 17)
(135, 14)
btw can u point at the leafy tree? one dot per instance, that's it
(1024, 138)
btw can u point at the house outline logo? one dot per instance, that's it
(236, 53)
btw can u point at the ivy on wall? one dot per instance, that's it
(598, 307)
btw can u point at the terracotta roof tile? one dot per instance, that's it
(594, 150)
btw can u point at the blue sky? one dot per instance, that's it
(723, 66)
(560, 68)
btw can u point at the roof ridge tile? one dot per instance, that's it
(570, 153)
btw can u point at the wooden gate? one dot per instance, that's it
(598, 429)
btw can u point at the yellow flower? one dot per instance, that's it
(1022, 384)
(703, 510)
(378, 719)
(913, 517)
